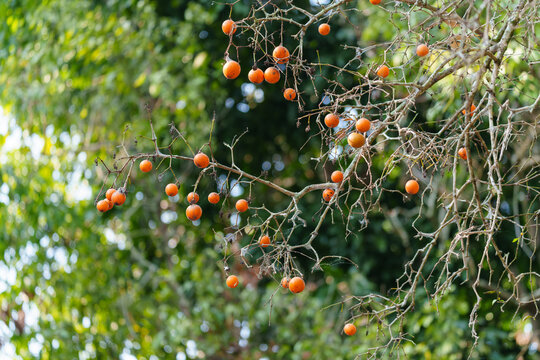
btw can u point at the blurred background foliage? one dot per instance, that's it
(142, 281)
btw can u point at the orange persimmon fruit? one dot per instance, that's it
(297, 285)
(412, 187)
(331, 120)
(271, 75)
(232, 281)
(324, 29)
(213, 198)
(171, 189)
(256, 76)
(201, 160)
(242, 205)
(337, 176)
(231, 69)
(228, 27)
(363, 125)
(193, 212)
(145, 166)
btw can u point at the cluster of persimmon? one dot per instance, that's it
(356, 140)
(295, 285)
(193, 211)
(112, 197)
(281, 55)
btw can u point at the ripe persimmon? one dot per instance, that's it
(109, 193)
(201, 160)
(232, 281)
(281, 54)
(103, 205)
(375, 2)
(337, 176)
(228, 27)
(412, 187)
(213, 198)
(289, 94)
(256, 76)
(231, 69)
(297, 285)
(462, 153)
(328, 194)
(383, 71)
(324, 29)
(285, 282)
(356, 140)
(242, 205)
(193, 212)
(363, 125)
(264, 241)
(111, 204)
(349, 329)
(145, 166)
(473, 108)
(118, 198)
(193, 198)
(422, 50)
(271, 75)
(171, 189)
(331, 120)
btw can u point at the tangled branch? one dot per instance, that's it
(469, 57)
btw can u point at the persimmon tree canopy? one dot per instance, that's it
(446, 266)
